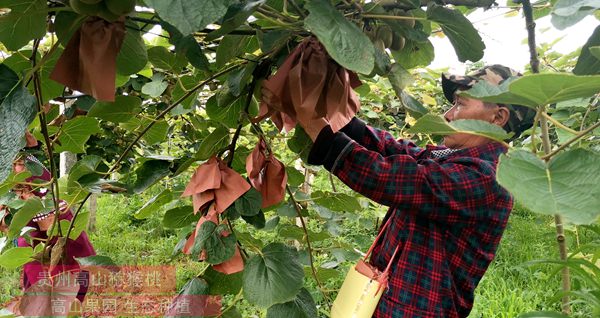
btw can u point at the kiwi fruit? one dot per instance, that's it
(108, 15)
(385, 34)
(397, 42)
(90, 1)
(85, 9)
(120, 7)
(410, 23)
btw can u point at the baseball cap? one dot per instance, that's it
(521, 117)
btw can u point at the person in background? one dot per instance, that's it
(41, 222)
(448, 212)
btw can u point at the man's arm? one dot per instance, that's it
(369, 137)
(455, 191)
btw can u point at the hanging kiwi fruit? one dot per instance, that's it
(109, 10)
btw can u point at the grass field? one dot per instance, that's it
(508, 288)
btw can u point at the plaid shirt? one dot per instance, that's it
(448, 213)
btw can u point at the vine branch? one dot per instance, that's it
(570, 141)
(535, 68)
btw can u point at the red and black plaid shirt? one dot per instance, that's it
(448, 213)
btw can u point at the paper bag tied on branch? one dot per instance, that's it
(310, 85)
(88, 63)
(214, 181)
(266, 174)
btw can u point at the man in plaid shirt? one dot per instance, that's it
(448, 211)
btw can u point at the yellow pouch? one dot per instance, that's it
(359, 295)
(363, 286)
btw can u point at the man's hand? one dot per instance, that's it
(314, 127)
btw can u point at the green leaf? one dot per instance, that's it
(437, 125)
(228, 115)
(344, 41)
(562, 186)
(10, 80)
(20, 63)
(236, 15)
(154, 204)
(183, 85)
(133, 56)
(179, 217)
(16, 113)
(214, 142)
(587, 63)
(460, 31)
(231, 46)
(95, 260)
(189, 16)
(336, 201)
(161, 58)
(414, 54)
(156, 87)
(413, 106)
(295, 177)
(249, 203)
(24, 215)
(399, 78)
(25, 22)
(595, 51)
(90, 167)
(218, 248)
(149, 173)
(66, 24)
(223, 284)
(75, 133)
(536, 89)
(258, 220)
(303, 306)
(272, 277)
(543, 314)
(119, 111)
(157, 133)
(300, 143)
(16, 257)
(187, 46)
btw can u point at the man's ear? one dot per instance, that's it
(502, 115)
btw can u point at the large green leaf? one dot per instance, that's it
(223, 284)
(16, 113)
(587, 63)
(399, 78)
(536, 89)
(119, 111)
(24, 215)
(214, 142)
(179, 217)
(187, 46)
(336, 201)
(96, 260)
(272, 277)
(75, 133)
(25, 22)
(566, 185)
(66, 24)
(218, 247)
(236, 15)
(412, 105)
(154, 204)
(231, 46)
(9, 81)
(228, 115)
(156, 87)
(249, 203)
(464, 37)
(133, 56)
(161, 58)
(16, 257)
(189, 16)
(414, 54)
(344, 41)
(303, 306)
(150, 172)
(21, 64)
(437, 125)
(91, 168)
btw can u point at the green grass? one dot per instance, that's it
(508, 288)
